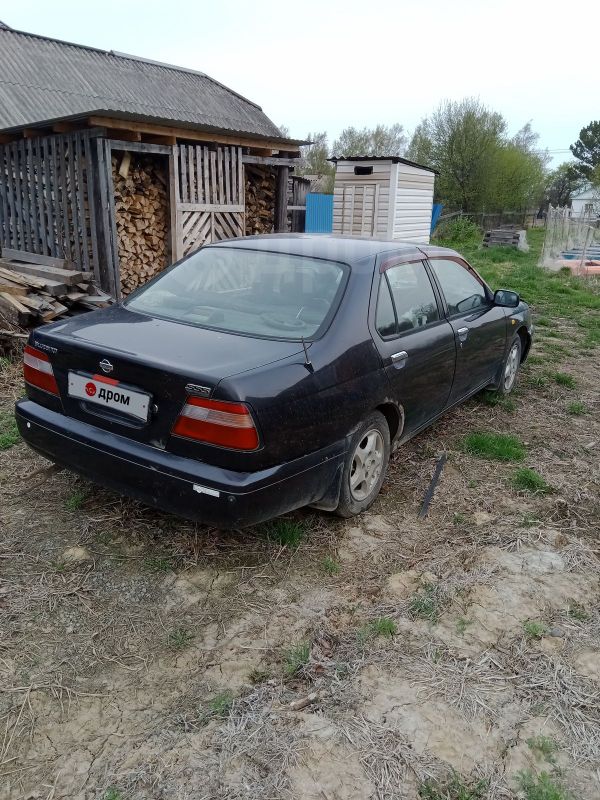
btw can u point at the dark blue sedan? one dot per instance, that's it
(263, 374)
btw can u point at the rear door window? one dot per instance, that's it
(461, 288)
(407, 288)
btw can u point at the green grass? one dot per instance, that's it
(545, 746)
(577, 612)
(258, 675)
(563, 379)
(577, 408)
(425, 604)
(296, 658)
(529, 520)
(112, 794)
(220, 705)
(528, 480)
(456, 788)
(9, 434)
(541, 787)
(543, 322)
(462, 624)
(329, 566)
(75, 500)
(382, 626)
(534, 629)
(286, 532)
(495, 400)
(158, 564)
(497, 446)
(179, 639)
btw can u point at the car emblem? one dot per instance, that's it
(106, 366)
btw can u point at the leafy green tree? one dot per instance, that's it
(382, 140)
(587, 149)
(562, 183)
(460, 140)
(313, 161)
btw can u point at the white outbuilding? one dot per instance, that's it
(385, 197)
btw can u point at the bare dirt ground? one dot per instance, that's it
(384, 657)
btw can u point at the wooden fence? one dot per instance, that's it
(208, 196)
(47, 199)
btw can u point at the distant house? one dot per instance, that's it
(586, 202)
(122, 165)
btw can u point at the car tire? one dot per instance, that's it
(365, 466)
(510, 368)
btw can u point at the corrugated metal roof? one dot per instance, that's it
(392, 159)
(44, 80)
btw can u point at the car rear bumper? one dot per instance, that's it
(182, 486)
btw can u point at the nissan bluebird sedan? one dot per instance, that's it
(263, 374)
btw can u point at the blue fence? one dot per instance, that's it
(319, 213)
(435, 215)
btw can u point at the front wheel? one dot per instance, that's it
(365, 466)
(510, 367)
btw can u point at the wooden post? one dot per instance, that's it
(281, 223)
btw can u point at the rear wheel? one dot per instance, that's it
(365, 466)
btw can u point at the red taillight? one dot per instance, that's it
(37, 370)
(217, 422)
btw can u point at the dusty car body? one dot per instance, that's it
(237, 385)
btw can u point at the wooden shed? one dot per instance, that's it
(384, 197)
(123, 165)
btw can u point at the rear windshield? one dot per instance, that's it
(252, 292)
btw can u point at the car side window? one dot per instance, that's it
(462, 290)
(406, 300)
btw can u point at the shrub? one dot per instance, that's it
(459, 231)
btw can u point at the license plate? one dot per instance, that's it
(109, 393)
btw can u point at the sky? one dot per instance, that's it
(326, 64)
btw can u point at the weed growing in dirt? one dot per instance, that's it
(455, 789)
(425, 604)
(179, 638)
(9, 434)
(576, 408)
(545, 746)
(538, 382)
(75, 500)
(297, 657)
(258, 675)
(534, 629)
(286, 532)
(383, 626)
(564, 379)
(458, 518)
(495, 400)
(541, 787)
(533, 360)
(529, 520)
(543, 322)
(112, 794)
(462, 624)
(158, 564)
(329, 566)
(221, 704)
(497, 446)
(528, 480)
(577, 612)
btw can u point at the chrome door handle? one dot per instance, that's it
(463, 333)
(399, 359)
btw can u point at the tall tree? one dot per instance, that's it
(460, 140)
(562, 183)
(313, 161)
(382, 140)
(587, 149)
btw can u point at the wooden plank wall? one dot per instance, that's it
(209, 192)
(47, 198)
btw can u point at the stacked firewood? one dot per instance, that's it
(36, 289)
(260, 200)
(141, 210)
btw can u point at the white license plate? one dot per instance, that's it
(109, 394)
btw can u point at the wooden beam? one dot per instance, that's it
(6, 138)
(66, 127)
(281, 223)
(140, 147)
(155, 139)
(273, 161)
(35, 258)
(34, 133)
(186, 133)
(126, 136)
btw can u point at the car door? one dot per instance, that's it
(414, 339)
(480, 326)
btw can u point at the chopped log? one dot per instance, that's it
(34, 258)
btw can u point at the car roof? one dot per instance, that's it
(348, 249)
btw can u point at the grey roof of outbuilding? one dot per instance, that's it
(45, 80)
(393, 159)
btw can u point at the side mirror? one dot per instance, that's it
(506, 298)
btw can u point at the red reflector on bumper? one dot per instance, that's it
(37, 370)
(217, 422)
